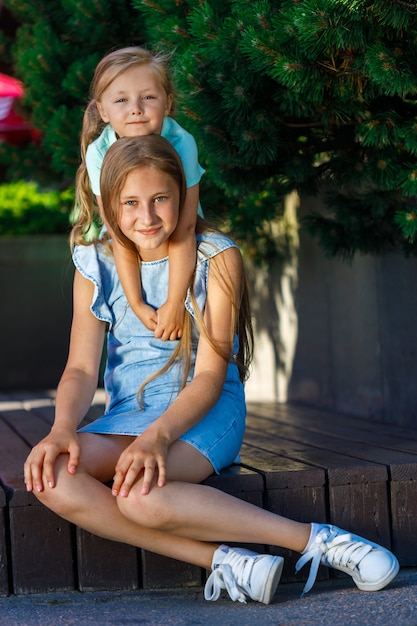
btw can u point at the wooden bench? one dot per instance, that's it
(300, 462)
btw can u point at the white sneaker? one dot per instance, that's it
(371, 566)
(243, 573)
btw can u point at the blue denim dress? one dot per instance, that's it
(133, 353)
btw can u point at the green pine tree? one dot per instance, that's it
(317, 96)
(8, 26)
(57, 47)
(313, 95)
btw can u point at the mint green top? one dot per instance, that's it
(183, 142)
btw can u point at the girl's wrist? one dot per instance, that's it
(61, 425)
(161, 434)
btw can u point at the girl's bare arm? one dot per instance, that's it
(182, 256)
(74, 393)
(128, 272)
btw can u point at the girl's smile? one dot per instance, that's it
(135, 103)
(149, 211)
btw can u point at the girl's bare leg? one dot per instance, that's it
(84, 500)
(199, 512)
(176, 520)
(181, 518)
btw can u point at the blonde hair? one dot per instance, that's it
(132, 153)
(108, 69)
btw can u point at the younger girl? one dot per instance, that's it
(132, 96)
(176, 410)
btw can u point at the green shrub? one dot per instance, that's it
(27, 210)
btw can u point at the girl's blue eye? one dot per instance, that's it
(160, 198)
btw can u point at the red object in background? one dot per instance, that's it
(10, 87)
(14, 129)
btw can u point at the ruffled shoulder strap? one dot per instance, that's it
(96, 264)
(208, 246)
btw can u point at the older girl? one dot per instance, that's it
(176, 410)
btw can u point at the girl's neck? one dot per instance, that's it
(149, 256)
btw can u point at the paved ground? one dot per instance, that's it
(330, 603)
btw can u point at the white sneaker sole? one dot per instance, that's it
(273, 578)
(377, 586)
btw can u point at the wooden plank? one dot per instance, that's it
(357, 480)
(294, 490)
(4, 561)
(3, 499)
(159, 572)
(362, 508)
(13, 454)
(333, 462)
(302, 463)
(48, 413)
(358, 489)
(334, 436)
(42, 404)
(27, 425)
(354, 428)
(241, 482)
(15, 449)
(279, 471)
(40, 542)
(403, 488)
(105, 565)
(392, 446)
(41, 551)
(23, 396)
(20, 429)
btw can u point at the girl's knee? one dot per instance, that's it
(52, 498)
(150, 511)
(60, 498)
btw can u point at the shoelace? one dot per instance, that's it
(222, 577)
(332, 549)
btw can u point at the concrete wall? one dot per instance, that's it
(356, 344)
(327, 334)
(35, 313)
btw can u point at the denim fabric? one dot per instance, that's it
(133, 354)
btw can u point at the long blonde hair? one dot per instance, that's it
(132, 153)
(108, 69)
